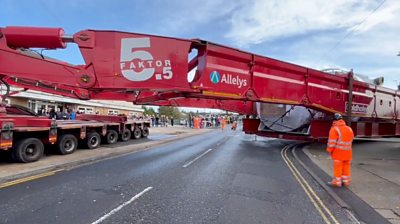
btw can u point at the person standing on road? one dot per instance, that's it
(223, 123)
(234, 126)
(157, 120)
(340, 148)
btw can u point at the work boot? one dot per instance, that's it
(337, 182)
(346, 181)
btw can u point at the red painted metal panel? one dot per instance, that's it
(34, 37)
(359, 129)
(387, 129)
(397, 129)
(104, 118)
(372, 129)
(250, 126)
(241, 107)
(320, 129)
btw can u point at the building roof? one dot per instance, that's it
(120, 105)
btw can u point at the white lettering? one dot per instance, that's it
(122, 65)
(141, 64)
(167, 73)
(223, 79)
(233, 80)
(129, 54)
(357, 108)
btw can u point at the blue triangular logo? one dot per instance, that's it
(215, 77)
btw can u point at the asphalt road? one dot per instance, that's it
(218, 177)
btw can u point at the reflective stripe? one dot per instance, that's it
(339, 133)
(338, 178)
(346, 181)
(340, 144)
(343, 147)
(344, 143)
(332, 143)
(345, 176)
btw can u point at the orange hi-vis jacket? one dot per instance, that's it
(340, 141)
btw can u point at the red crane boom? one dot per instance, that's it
(149, 69)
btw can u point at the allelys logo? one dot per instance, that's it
(140, 65)
(229, 79)
(215, 77)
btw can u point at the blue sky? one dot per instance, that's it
(301, 32)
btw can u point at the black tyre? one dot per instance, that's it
(137, 133)
(28, 150)
(125, 135)
(145, 132)
(67, 144)
(111, 137)
(93, 140)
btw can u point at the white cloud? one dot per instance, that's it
(183, 16)
(305, 32)
(266, 20)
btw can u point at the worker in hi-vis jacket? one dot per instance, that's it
(340, 148)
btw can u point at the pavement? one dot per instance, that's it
(375, 173)
(10, 170)
(215, 177)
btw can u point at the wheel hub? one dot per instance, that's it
(93, 141)
(30, 150)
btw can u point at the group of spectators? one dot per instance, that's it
(212, 121)
(204, 122)
(66, 114)
(161, 120)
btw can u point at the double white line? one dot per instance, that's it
(316, 201)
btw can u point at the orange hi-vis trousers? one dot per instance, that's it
(341, 171)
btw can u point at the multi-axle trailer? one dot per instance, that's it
(27, 134)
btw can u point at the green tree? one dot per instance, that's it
(170, 112)
(148, 110)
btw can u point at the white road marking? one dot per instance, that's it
(198, 157)
(104, 217)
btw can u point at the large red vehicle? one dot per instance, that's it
(27, 133)
(149, 69)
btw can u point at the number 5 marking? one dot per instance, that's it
(167, 73)
(128, 54)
